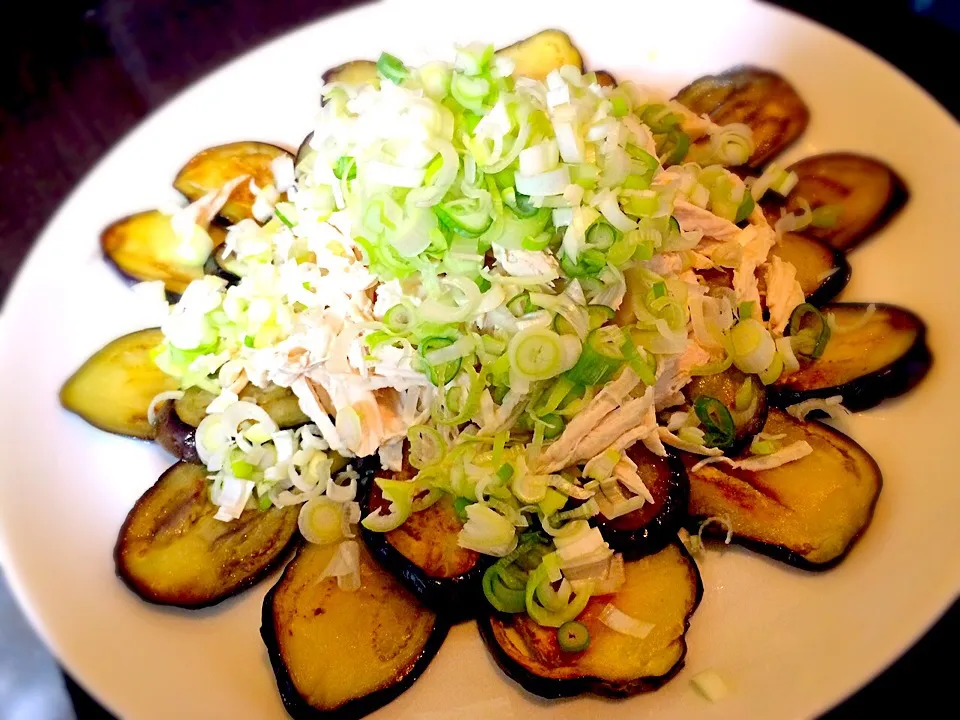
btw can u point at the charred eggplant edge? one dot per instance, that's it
(458, 598)
(784, 554)
(833, 284)
(151, 598)
(300, 709)
(631, 543)
(867, 391)
(555, 688)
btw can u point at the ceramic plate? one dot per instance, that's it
(789, 643)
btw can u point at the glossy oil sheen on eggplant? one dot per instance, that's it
(171, 550)
(424, 555)
(342, 654)
(863, 362)
(662, 589)
(807, 513)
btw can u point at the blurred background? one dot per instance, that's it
(79, 74)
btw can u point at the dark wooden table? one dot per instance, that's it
(76, 75)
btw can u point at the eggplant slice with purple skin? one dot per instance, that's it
(172, 551)
(761, 99)
(662, 589)
(214, 167)
(867, 192)
(177, 421)
(654, 526)
(807, 513)
(423, 553)
(143, 247)
(866, 360)
(113, 389)
(822, 271)
(391, 638)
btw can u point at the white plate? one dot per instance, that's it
(789, 643)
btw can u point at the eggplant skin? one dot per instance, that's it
(812, 257)
(295, 704)
(651, 528)
(176, 511)
(866, 391)
(808, 513)
(495, 626)
(458, 597)
(174, 435)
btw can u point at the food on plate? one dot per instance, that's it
(423, 552)
(875, 351)
(761, 99)
(341, 647)
(496, 334)
(807, 513)
(822, 271)
(629, 642)
(175, 549)
(258, 163)
(654, 525)
(114, 389)
(145, 246)
(848, 196)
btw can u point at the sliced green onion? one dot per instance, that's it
(460, 507)
(599, 315)
(426, 446)
(518, 203)
(264, 503)
(553, 501)
(717, 421)
(400, 318)
(601, 236)
(643, 363)
(441, 373)
(601, 357)
(535, 608)
(281, 217)
(809, 331)
(464, 216)
(470, 92)
(553, 426)
(573, 637)
(771, 373)
(745, 208)
(785, 182)
(345, 168)
(536, 354)
(746, 309)
(504, 583)
(675, 147)
(520, 305)
(826, 216)
(392, 68)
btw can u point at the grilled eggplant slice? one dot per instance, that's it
(355, 72)
(662, 589)
(759, 98)
(750, 416)
(113, 389)
(867, 191)
(822, 271)
(341, 654)
(214, 167)
(174, 435)
(279, 402)
(807, 513)
(605, 79)
(143, 247)
(655, 525)
(171, 550)
(423, 554)
(538, 54)
(303, 149)
(229, 268)
(878, 356)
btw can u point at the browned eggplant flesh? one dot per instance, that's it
(211, 169)
(760, 99)
(871, 355)
(606, 78)
(424, 555)
(822, 271)
(744, 397)
(344, 653)
(113, 389)
(172, 551)
(143, 247)
(653, 526)
(355, 72)
(859, 195)
(174, 435)
(807, 513)
(662, 589)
